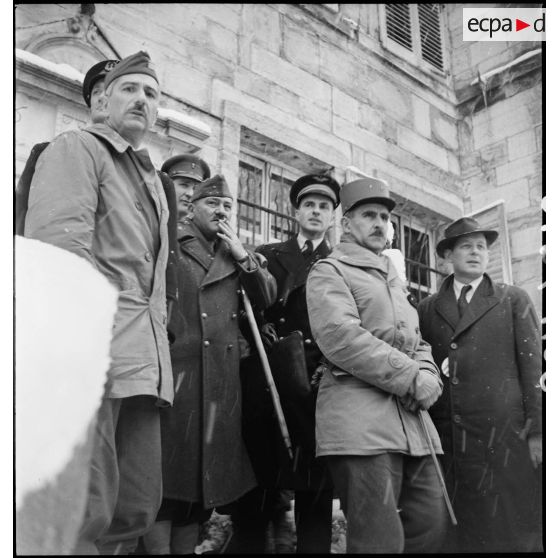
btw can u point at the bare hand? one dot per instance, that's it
(535, 449)
(227, 234)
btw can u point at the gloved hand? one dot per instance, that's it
(425, 389)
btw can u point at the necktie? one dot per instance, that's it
(462, 300)
(307, 250)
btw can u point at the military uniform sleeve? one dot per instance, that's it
(259, 284)
(336, 326)
(529, 357)
(64, 195)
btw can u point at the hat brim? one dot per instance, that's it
(447, 243)
(318, 190)
(388, 202)
(182, 174)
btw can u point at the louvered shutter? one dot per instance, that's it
(493, 217)
(430, 34)
(398, 24)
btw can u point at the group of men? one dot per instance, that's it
(175, 435)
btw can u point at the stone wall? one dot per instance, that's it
(500, 136)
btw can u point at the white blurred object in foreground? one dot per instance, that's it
(398, 261)
(64, 314)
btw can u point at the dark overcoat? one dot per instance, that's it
(289, 313)
(204, 457)
(491, 401)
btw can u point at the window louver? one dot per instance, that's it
(430, 34)
(398, 24)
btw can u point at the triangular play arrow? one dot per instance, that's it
(519, 25)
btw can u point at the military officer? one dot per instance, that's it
(315, 197)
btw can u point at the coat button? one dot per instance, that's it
(138, 205)
(453, 346)
(457, 419)
(281, 320)
(204, 315)
(206, 343)
(164, 320)
(281, 301)
(233, 316)
(148, 256)
(229, 347)
(455, 381)
(308, 341)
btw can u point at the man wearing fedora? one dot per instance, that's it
(485, 337)
(379, 376)
(315, 197)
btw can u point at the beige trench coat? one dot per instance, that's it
(368, 330)
(93, 195)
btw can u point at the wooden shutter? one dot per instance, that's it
(398, 24)
(430, 35)
(494, 217)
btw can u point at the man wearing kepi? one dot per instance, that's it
(486, 339)
(96, 193)
(380, 375)
(205, 462)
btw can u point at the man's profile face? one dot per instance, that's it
(98, 101)
(469, 256)
(207, 212)
(184, 188)
(367, 224)
(132, 104)
(314, 214)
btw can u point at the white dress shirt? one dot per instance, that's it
(302, 241)
(458, 285)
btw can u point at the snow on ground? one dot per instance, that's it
(64, 311)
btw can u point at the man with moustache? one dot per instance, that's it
(205, 463)
(486, 339)
(379, 376)
(315, 197)
(96, 193)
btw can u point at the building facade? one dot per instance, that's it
(268, 92)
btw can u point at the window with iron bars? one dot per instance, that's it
(416, 245)
(265, 213)
(414, 32)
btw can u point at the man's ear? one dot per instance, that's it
(447, 254)
(345, 224)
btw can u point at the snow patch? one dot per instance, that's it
(64, 70)
(184, 119)
(64, 315)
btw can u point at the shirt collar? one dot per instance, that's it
(302, 241)
(458, 285)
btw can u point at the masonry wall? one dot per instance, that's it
(500, 136)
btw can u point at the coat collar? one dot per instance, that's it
(353, 254)
(193, 244)
(483, 300)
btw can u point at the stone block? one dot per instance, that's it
(360, 137)
(186, 83)
(388, 96)
(423, 148)
(483, 53)
(538, 137)
(535, 190)
(222, 41)
(226, 15)
(470, 164)
(494, 155)
(314, 114)
(253, 84)
(285, 74)
(519, 168)
(444, 130)
(368, 118)
(261, 24)
(515, 194)
(345, 106)
(453, 164)
(525, 242)
(421, 116)
(389, 129)
(522, 144)
(301, 48)
(284, 99)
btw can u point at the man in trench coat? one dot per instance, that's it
(205, 462)
(380, 373)
(485, 336)
(96, 193)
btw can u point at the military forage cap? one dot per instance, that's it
(138, 63)
(93, 75)
(459, 228)
(188, 166)
(365, 190)
(315, 184)
(216, 186)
